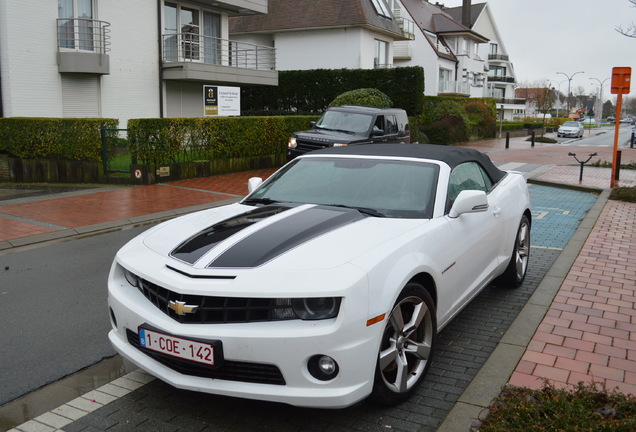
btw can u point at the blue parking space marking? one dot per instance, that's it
(556, 214)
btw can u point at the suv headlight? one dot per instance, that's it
(291, 143)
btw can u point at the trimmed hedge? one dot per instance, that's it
(171, 140)
(451, 120)
(53, 138)
(311, 91)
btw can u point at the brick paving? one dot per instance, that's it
(589, 332)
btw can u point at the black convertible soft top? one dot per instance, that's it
(452, 156)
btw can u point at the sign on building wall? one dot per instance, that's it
(221, 101)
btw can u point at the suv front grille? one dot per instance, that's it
(229, 370)
(307, 146)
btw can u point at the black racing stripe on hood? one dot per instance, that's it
(283, 235)
(195, 247)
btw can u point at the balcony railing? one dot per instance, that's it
(407, 26)
(503, 57)
(454, 87)
(193, 47)
(81, 34)
(501, 79)
(510, 101)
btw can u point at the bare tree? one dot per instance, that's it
(630, 29)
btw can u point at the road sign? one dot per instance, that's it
(621, 79)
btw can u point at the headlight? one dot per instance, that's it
(292, 143)
(339, 145)
(316, 308)
(131, 278)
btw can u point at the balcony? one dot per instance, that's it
(458, 88)
(509, 101)
(503, 79)
(502, 57)
(82, 46)
(195, 57)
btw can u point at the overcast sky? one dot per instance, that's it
(543, 37)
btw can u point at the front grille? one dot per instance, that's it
(306, 146)
(229, 370)
(215, 310)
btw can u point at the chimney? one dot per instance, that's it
(466, 13)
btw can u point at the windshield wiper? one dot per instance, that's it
(365, 210)
(336, 130)
(265, 201)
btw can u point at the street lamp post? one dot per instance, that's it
(569, 77)
(600, 97)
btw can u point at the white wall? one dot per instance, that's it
(132, 88)
(31, 85)
(320, 49)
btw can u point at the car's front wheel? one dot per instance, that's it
(517, 268)
(407, 346)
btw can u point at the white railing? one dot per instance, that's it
(81, 34)
(193, 47)
(456, 87)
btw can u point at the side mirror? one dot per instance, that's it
(253, 184)
(312, 124)
(469, 201)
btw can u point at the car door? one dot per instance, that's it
(477, 237)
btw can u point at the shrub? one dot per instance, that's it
(578, 408)
(481, 120)
(624, 194)
(366, 97)
(53, 138)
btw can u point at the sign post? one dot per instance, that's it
(621, 79)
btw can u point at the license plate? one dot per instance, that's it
(187, 349)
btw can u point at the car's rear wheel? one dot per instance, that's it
(407, 346)
(517, 268)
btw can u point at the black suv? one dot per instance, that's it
(348, 125)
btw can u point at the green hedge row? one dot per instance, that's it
(311, 91)
(53, 138)
(450, 120)
(170, 140)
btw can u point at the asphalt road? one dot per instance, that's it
(53, 310)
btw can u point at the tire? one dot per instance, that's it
(517, 268)
(407, 346)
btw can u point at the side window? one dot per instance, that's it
(391, 126)
(467, 176)
(379, 123)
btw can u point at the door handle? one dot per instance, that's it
(496, 211)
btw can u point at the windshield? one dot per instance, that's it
(345, 122)
(571, 124)
(402, 189)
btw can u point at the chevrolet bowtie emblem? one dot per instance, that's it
(180, 308)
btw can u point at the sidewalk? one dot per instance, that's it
(580, 325)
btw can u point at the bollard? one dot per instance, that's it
(582, 163)
(532, 140)
(618, 165)
(631, 143)
(508, 139)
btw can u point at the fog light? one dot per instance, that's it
(322, 367)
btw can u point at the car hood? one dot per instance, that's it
(305, 237)
(327, 136)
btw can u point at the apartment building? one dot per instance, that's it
(126, 59)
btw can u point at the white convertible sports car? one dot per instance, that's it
(328, 283)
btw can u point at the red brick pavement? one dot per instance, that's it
(589, 332)
(125, 203)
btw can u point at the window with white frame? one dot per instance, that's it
(191, 33)
(381, 8)
(75, 26)
(381, 58)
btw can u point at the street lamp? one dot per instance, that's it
(569, 77)
(600, 97)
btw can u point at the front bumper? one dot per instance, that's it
(283, 346)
